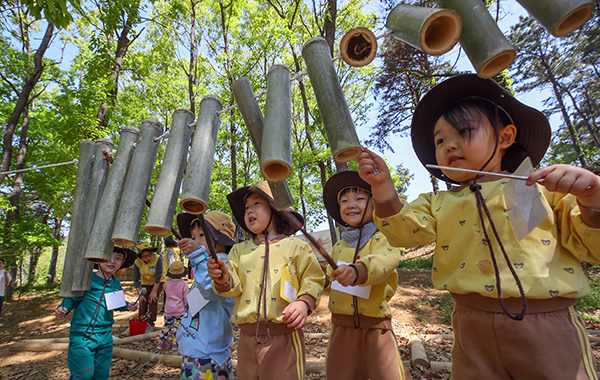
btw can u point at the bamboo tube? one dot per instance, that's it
(82, 185)
(559, 17)
(487, 48)
(358, 47)
(330, 99)
(133, 201)
(276, 151)
(431, 30)
(418, 356)
(253, 118)
(196, 185)
(100, 247)
(82, 273)
(164, 202)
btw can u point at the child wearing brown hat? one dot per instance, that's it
(277, 282)
(362, 344)
(176, 291)
(513, 290)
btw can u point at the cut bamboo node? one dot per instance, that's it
(573, 20)
(276, 171)
(559, 17)
(193, 206)
(347, 154)
(496, 64)
(358, 47)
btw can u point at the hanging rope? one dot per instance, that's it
(41, 167)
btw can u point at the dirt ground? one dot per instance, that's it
(419, 310)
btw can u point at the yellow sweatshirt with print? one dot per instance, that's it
(245, 263)
(546, 260)
(380, 260)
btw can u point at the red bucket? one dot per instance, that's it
(137, 327)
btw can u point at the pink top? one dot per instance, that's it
(176, 297)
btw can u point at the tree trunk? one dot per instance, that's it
(567, 120)
(33, 261)
(10, 288)
(58, 236)
(329, 25)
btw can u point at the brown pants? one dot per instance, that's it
(282, 356)
(546, 344)
(153, 306)
(369, 352)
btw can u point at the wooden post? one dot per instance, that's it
(431, 30)
(196, 184)
(100, 247)
(337, 120)
(559, 17)
(164, 202)
(487, 48)
(82, 185)
(82, 273)
(276, 150)
(135, 191)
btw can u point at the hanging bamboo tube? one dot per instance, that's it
(487, 48)
(82, 273)
(358, 47)
(276, 151)
(164, 202)
(253, 118)
(82, 185)
(330, 99)
(431, 30)
(133, 201)
(196, 185)
(559, 17)
(100, 247)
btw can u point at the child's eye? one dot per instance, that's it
(439, 141)
(464, 131)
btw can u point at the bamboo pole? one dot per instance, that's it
(131, 206)
(82, 184)
(559, 17)
(100, 247)
(337, 120)
(434, 31)
(253, 118)
(164, 202)
(418, 356)
(276, 151)
(196, 184)
(82, 273)
(358, 47)
(487, 48)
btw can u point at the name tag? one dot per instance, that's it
(115, 300)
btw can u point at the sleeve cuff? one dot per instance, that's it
(387, 208)
(310, 301)
(590, 216)
(224, 287)
(363, 273)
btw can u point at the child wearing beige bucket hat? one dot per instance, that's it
(176, 291)
(513, 297)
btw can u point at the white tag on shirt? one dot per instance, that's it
(359, 291)
(115, 300)
(196, 301)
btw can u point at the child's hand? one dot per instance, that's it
(132, 306)
(218, 271)
(188, 246)
(323, 267)
(570, 179)
(375, 172)
(294, 315)
(345, 275)
(60, 312)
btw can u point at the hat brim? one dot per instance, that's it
(237, 204)
(184, 222)
(337, 183)
(153, 249)
(533, 129)
(178, 275)
(130, 256)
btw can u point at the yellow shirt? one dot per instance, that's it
(147, 271)
(381, 260)
(245, 263)
(546, 260)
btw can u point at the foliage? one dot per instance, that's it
(417, 263)
(591, 302)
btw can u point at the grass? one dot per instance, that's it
(591, 302)
(45, 289)
(417, 263)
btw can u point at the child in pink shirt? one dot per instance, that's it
(176, 291)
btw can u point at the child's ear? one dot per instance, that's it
(508, 134)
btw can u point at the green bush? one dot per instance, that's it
(417, 263)
(591, 302)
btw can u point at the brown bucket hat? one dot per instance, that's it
(220, 226)
(533, 128)
(177, 270)
(237, 204)
(335, 184)
(130, 256)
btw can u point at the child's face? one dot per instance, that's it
(353, 205)
(258, 213)
(1, 264)
(456, 149)
(114, 265)
(198, 235)
(147, 256)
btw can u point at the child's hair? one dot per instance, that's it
(353, 190)
(170, 241)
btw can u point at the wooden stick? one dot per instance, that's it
(208, 238)
(418, 356)
(297, 225)
(107, 155)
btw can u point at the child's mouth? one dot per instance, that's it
(454, 159)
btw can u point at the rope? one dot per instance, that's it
(40, 167)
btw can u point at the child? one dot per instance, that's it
(4, 280)
(148, 270)
(176, 291)
(271, 343)
(205, 337)
(90, 335)
(173, 252)
(362, 344)
(509, 315)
